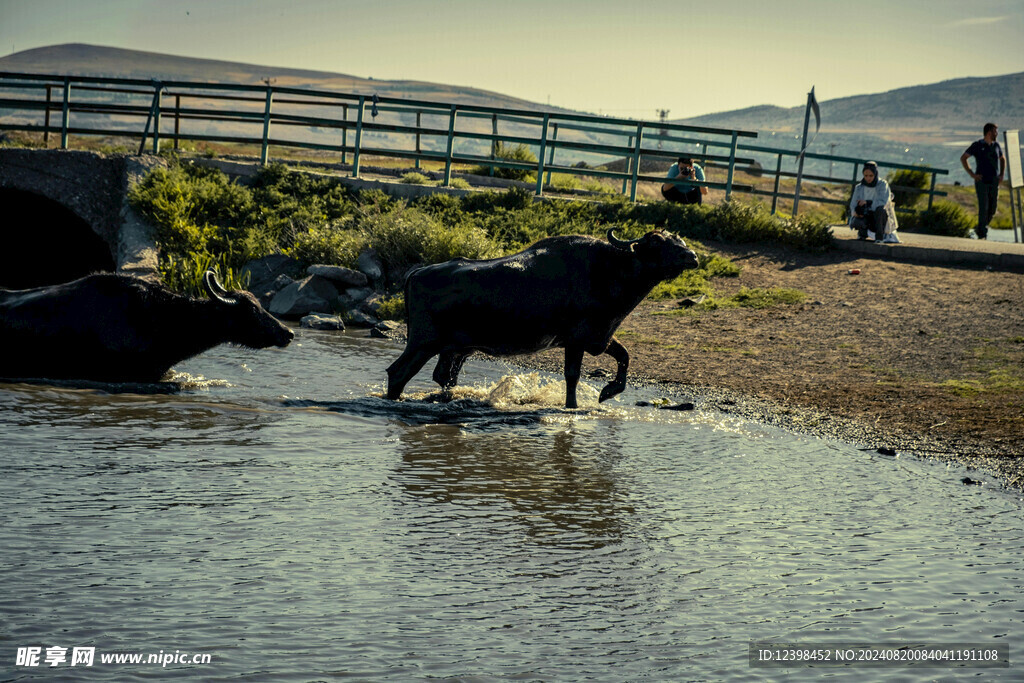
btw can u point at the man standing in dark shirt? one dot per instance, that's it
(990, 164)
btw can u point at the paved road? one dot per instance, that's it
(935, 249)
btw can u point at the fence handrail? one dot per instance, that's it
(537, 128)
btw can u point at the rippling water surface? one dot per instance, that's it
(278, 515)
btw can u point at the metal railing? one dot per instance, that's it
(351, 125)
(354, 126)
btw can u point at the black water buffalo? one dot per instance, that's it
(117, 328)
(570, 292)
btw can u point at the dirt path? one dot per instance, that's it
(919, 358)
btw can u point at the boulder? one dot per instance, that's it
(341, 276)
(264, 272)
(311, 295)
(353, 296)
(369, 264)
(385, 329)
(360, 319)
(321, 321)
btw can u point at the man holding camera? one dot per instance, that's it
(680, 191)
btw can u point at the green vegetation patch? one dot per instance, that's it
(205, 220)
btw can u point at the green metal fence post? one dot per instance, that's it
(266, 124)
(359, 136)
(732, 167)
(46, 118)
(551, 154)
(157, 97)
(494, 142)
(344, 132)
(775, 190)
(931, 191)
(540, 157)
(636, 159)
(450, 147)
(629, 166)
(65, 114)
(177, 120)
(418, 150)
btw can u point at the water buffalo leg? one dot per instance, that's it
(405, 368)
(449, 365)
(573, 368)
(617, 385)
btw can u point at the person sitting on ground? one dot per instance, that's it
(872, 213)
(684, 192)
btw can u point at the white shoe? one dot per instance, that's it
(891, 238)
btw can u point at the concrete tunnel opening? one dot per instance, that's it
(43, 242)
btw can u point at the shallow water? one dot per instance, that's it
(277, 514)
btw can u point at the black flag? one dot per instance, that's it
(812, 104)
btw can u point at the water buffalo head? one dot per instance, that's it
(250, 325)
(663, 252)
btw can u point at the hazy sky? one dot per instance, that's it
(624, 58)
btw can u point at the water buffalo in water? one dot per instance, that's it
(117, 328)
(570, 292)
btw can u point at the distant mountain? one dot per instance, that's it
(76, 59)
(925, 124)
(950, 108)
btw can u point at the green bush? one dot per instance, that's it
(330, 244)
(504, 152)
(908, 178)
(392, 308)
(203, 219)
(946, 218)
(415, 179)
(407, 236)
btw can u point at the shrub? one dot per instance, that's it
(392, 308)
(407, 236)
(946, 218)
(908, 178)
(504, 152)
(460, 184)
(330, 244)
(415, 179)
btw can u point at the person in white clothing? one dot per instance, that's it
(872, 213)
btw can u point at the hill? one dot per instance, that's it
(957, 107)
(925, 124)
(78, 59)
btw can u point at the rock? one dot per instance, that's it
(322, 321)
(691, 301)
(385, 329)
(346, 277)
(967, 481)
(369, 264)
(353, 296)
(598, 372)
(679, 406)
(891, 452)
(372, 305)
(360, 318)
(311, 295)
(280, 282)
(263, 273)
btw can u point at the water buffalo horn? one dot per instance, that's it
(215, 289)
(621, 244)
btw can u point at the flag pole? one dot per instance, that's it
(803, 148)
